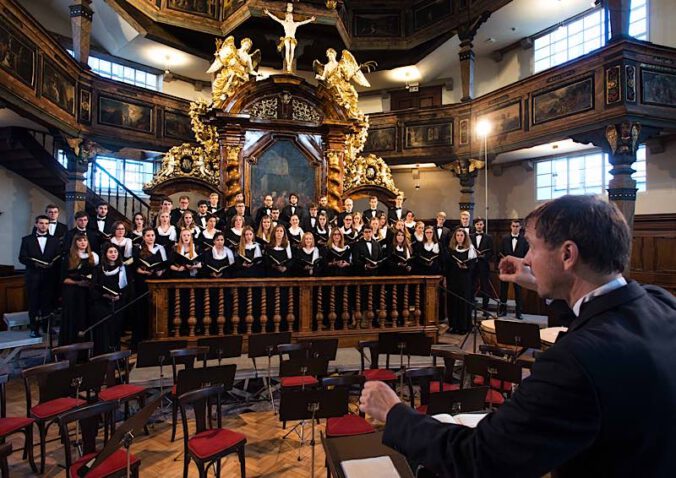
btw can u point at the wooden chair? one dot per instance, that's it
(11, 425)
(73, 352)
(374, 372)
(298, 353)
(118, 389)
(430, 380)
(493, 371)
(88, 420)
(208, 445)
(184, 357)
(52, 401)
(350, 423)
(5, 451)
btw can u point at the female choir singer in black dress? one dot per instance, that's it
(295, 232)
(122, 242)
(233, 235)
(207, 237)
(249, 258)
(150, 262)
(112, 288)
(77, 271)
(309, 260)
(184, 259)
(428, 260)
(187, 221)
(347, 229)
(137, 226)
(264, 233)
(278, 256)
(165, 232)
(338, 255)
(460, 264)
(322, 230)
(218, 260)
(410, 223)
(400, 261)
(418, 234)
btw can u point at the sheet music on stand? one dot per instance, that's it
(470, 420)
(377, 467)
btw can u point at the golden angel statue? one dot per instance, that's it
(337, 76)
(288, 41)
(232, 67)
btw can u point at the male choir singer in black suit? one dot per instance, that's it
(366, 253)
(39, 252)
(101, 224)
(396, 212)
(600, 401)
(372, 211)
(56, 228)
(293, 208)
(483, 244)
(442, 232)
(514, 245)
(81, 228)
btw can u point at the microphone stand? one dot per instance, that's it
(126, 442)
(475, 324)
(314, 408)
(84, 332)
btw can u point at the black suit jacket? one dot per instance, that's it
(599, 402)
(341, 217)
(392, 215)
(360, 253)
(59, 231)
(93, 225)
(486, 245)
(260, 212)
(368, 214)
(445, 236)
(30, 248)
(176, 215)
(285, 214)
(506, 247)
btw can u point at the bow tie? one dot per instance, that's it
(479, 234)
(398, 208)
(41, 235)
(52, 222)
(515, 237)
(100, 218)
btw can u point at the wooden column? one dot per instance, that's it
(618, 14)
(231, 139)
(623, 142)
(466, 33)
(334, 154)
(79, 156)
(81, 25)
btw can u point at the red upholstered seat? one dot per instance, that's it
(379, 374)
(119, 392)
(347, 425)
(114, 463)
(55, 407)
(434, 387)
(11, 424)
(298, 381)
(494, 397)
(495, 383)
(210, 442)
(173, 389)
(421, 409)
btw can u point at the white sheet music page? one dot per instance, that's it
(467, 419)
(379, 467)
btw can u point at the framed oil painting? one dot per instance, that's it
(17, 56)
(206, 8)
(430, 11)
(125, 114)
(377, 24)
(85, 106)
(177, 125)
(58, 87)
(381, 139)
(280, 170)
(561, 101)
(658, 87)
(503, 119)
(429, 135)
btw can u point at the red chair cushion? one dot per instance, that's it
(421, 409)
(298, 381)
(210, 442)
(11, 424)
(173, 389)
(494, 397)
(347, 425)
(434, 387)
(113, 464)
(495, 383)
(55, 407)
(119, 392)
(379, 374)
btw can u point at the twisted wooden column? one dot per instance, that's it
(207, 312)
(264, 309)
(177, 312)
(290, 316)
(404, 307)
(192, 320)
(235, 311)
(416, 311)
(394, 312)
(319, 316)
(357, 308)
(220, 320)
(277, 317)
(249, 318)
(369, 308)
(332, 308)
(382, 311)
(345, 316)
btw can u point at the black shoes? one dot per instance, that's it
(35, 334)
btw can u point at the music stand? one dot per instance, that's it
(265, 345)
(323, 349)
(82, 377)
(154, 353)
(312, 404)
(193, 379)
(519, 334)
(226, 346)
(457, 401)
(123, 437)
(413, 343)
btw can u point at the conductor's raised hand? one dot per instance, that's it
(514, 269)
(377, 399)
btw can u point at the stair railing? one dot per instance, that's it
(111, 190)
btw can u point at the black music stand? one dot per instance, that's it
(123, 437)
(193, 379)
(265, 345)
(312, 404)
(410, 343)
(323, 349)
(457, 401)
(155, 353)
(222, 347)
(81, 377)
(519, 334)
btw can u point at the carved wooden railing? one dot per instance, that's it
(348, 308)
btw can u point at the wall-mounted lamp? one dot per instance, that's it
(415, 173)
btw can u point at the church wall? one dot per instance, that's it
(20, 201)
(186, 90)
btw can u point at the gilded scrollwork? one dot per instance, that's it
(370, 170)
(265, 108)
(303, 111)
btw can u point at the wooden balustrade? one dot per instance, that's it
(349, 308)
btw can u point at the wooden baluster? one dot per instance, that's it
(264, 309)
(416, 312)
(248, 319)
(207, 312)
(235, 311)
(277, 318)
(394, 312)
(192, 320)
(220, 320)
(346, 306)
(382, 311)
(357, 307)
(290, 316)
(404, 306)
(177, 312)
(369, 308)
(332, 308)
(319, 316)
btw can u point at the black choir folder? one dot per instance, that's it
(45, 263)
